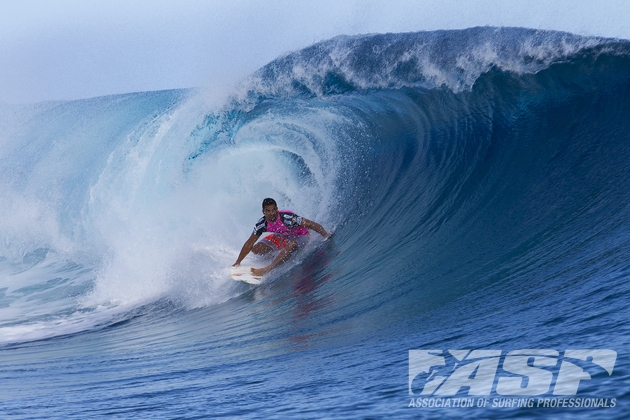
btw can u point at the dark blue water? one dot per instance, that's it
(477, 182)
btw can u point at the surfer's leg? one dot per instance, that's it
(269, 243)
(261, 248)
(286, 252)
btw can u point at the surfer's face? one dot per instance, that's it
(271, 212)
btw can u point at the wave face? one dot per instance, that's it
(477, 182)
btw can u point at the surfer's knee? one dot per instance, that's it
(292, 245)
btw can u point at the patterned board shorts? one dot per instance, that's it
(278, 242)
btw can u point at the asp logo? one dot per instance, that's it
(523, 372)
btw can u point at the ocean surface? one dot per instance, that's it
(478, 184)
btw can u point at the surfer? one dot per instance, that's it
(288, 232)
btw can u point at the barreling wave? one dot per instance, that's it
(446, 161)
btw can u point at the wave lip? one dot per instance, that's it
(450, 58)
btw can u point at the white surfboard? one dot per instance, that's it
(243, 273)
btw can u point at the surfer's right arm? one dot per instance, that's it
(247, 247)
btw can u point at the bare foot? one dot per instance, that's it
(259, 272)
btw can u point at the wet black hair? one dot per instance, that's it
(268, 202)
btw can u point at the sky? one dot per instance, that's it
(73, 49)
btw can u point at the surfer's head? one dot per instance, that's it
(270, 209)
(268, 202)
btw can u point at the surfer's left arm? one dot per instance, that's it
(308, 224)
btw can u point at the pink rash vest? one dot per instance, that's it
(286, 224)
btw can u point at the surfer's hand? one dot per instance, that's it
(326, 236)
(236, 264)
